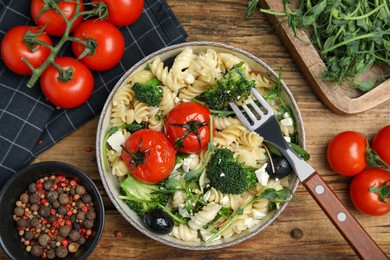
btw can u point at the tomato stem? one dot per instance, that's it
(383, 191)
(99, 9)
(375, 161)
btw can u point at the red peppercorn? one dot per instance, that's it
(65, 242)
(43, 201)
(61, 178)
(69, 213)
(53, 211)
(64, 184)
(88, 232)
(40, 142)
(55, 186)
(44, 221)
(84, 208)
(118, 234)
(68, 222)
(39, 185)
(56, 224)
(88, 149)
(73, 183)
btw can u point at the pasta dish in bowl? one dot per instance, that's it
(176, 161)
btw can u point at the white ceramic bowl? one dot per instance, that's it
(110, 181)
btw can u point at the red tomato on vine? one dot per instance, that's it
(68, 89)
(381, 144)
(54, 23)
(20, 43)
(105, 44)
(347, 153)
(123, 12)
(370, 192)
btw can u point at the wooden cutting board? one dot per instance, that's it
(339, 99)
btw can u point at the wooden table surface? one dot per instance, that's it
(222, 21)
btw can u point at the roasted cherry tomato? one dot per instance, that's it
(149, 155)
(381, 144)
(16, 46)
(106, 44)
(370, 192)
(52, 20)
(187, 127)
(69, 89)
(123, 12)
(347, 153)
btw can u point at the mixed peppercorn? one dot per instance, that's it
(54, 217)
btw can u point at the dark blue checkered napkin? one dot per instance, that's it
(26, 117)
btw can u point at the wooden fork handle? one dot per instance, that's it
(352, 231)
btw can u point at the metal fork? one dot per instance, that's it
(261, 119)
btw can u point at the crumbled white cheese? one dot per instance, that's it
(287, 121)
(222, 174)
(224, 200)
(257, 214)
(250, 222)
(187, 162)
(262, 175)
(288, 139)
(116, 140)
(182, 211)
(286, 115)
(190, 79)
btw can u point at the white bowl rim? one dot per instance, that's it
(142, 229)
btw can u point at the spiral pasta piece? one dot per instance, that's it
(204, 216)
(185, 233)
(164, 75)
(167, 101)
(124, 95)
(229, 135)
(192, 91)
(119, 168)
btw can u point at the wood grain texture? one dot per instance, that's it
(221, 21)
(341, 100)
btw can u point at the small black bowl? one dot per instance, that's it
(9, 236)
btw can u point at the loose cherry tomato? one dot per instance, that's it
(149, 155)
(106, 44)
(52, 19)
(347, 153)
(16, 46)
(123, 12)
(365, 189)
(381, 144)
(70, 90)
(187, 127)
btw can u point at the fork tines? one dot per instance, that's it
(254, 115)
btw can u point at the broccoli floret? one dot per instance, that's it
(142, 197)
(233, 87)
(229, 176)
(149, 92)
